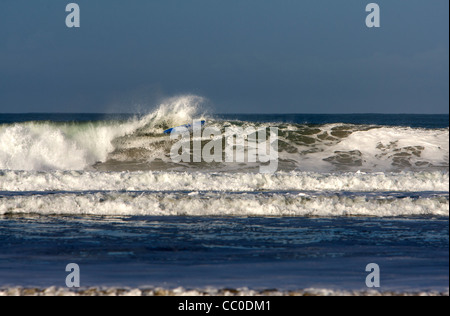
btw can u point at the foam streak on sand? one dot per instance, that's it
(114, 291)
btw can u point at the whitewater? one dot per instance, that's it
(122, 166)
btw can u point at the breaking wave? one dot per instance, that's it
(140, 144)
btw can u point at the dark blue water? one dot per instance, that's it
(199, 252)
(411, 120)
(406, 120)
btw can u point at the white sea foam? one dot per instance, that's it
(382, 149)
(226, 204)
(46, 146)
(173, 181)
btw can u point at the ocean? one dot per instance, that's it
(101, 191)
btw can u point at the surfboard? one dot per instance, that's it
(183, 127)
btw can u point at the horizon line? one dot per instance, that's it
(292, 113)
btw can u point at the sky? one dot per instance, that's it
(243, 56)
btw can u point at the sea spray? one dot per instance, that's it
(45, 146)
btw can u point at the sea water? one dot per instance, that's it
(101, 191)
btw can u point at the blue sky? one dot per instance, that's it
(244, 56)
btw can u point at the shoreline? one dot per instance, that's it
(158, 291)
